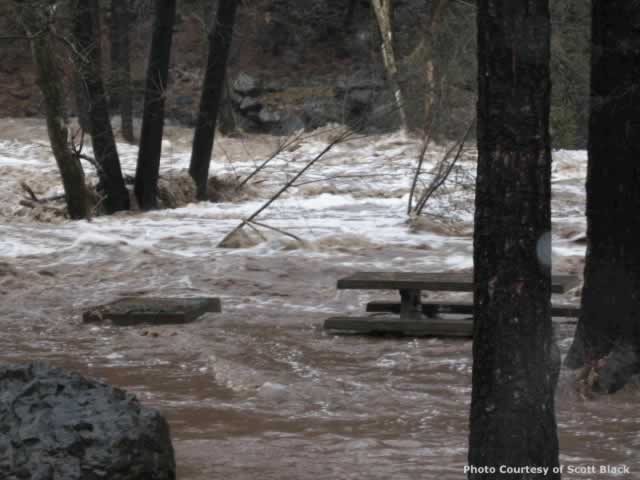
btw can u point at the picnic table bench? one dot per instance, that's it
(420, 318)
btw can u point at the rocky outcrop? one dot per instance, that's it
(56, 425)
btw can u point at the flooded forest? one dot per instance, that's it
(262, 153)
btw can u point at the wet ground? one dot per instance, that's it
(259, 390)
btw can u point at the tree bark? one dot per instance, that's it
(121, 92)
(515, 364)
(148, 166)
(609, 323)
(104, 145)
(227, 120)
(82, 104)
(37, 24)
(220, 37)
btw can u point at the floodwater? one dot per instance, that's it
(260, 391)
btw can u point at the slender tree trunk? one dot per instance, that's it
(220, 37)
(437, 9)
(79, 87)
(104, 146)
(609, 323)
(227, 120)
(383, 12)
(82, 104)
(148, 167)
(121, 92)
(36, 24)
(515, 364)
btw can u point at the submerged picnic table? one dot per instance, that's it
(416, 317)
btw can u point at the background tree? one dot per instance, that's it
(121, 91)
(608, 331)
(383, 10)
(37, 19)
(570, 50)
(148, 165)
(512, 407)
(211, 100)
(436, 10)
(80, 94)
(87, 60)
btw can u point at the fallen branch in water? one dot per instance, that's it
(31, 204)
(34, 198)
(343, 136)
(282, 232)
(29, 191)
(258, 232)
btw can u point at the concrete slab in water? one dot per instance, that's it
(153, 310)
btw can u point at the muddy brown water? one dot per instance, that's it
(260, 391)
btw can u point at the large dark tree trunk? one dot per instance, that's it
(148, 167)
(104, 145)
(121, 92)
(515, 364)
(610, 320)
(220, 37)
(36, 24)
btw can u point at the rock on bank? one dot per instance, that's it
(56, 425)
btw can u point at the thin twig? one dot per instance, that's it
(337, 177)
(27, 37)
(416, 176)
(443, 172)
(277, 152)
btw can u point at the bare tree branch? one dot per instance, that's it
(338, 139)
(443, 172)
(283, 232)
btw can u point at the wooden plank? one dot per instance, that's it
(433, 308)
(153, 310)
(393, 326)
(454, 281)
(435, 281)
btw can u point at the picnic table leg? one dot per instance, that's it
(410, 305)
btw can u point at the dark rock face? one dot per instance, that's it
(56, 425)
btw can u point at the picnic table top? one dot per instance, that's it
(444, 281)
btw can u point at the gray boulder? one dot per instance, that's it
(56, 425)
